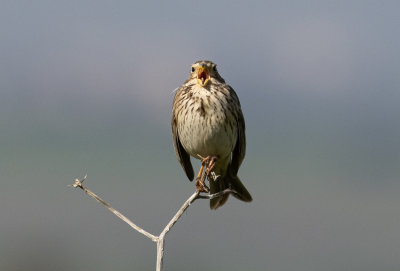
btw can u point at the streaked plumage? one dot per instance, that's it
(207, 120)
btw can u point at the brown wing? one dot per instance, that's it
(239, 151)
(183, 156)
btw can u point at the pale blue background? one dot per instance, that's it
(86, 87)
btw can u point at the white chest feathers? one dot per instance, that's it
(207, 127)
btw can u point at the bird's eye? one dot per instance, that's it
(192, 69)
(215, 68)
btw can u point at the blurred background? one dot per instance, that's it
(87, 87)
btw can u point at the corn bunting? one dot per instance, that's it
(208, 124)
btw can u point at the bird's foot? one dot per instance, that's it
(210, 166)
(201, 186)
(207, 165)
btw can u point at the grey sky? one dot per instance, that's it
(86, 87)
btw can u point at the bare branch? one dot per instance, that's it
(160, 244)
(78, 183)
(216, 195)
(158, 239)
(180, 212)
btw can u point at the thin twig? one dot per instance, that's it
(157, 239)
(78, 183)
(161, 238)
(216, 195)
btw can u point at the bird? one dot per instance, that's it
(208, 124)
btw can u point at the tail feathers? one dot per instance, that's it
(221, 184)
(242, 192)
(216, 186)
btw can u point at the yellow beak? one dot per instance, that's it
(203, 76)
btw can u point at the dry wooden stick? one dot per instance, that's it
(78, 183)
(159, 240)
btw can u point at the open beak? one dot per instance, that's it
(203, 76)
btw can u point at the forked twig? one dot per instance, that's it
(159, 240)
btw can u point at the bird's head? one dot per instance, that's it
(204, 71)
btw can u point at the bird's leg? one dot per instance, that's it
(211, 165)
(203, 160)
(200, 185)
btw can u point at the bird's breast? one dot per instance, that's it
(207, 127)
